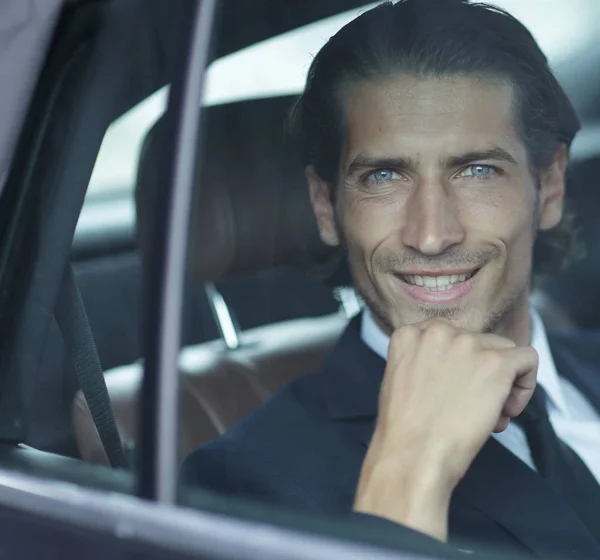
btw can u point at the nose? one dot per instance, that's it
(432, 224)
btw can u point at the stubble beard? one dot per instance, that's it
(497, 320)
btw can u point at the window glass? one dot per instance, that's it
(285, 258)
(312, 248)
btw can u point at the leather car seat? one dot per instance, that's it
(252, 214)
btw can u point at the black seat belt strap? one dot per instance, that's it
(75, 328)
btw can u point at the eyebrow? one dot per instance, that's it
(400, 163)
(493, 154)
(361, 163)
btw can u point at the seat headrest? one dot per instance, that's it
(252, 212)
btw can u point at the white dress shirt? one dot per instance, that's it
(574, 419)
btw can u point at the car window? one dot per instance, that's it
(271, 195)
(318, 229)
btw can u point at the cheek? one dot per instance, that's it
(368, 223)
(505, 219)
(507, 212)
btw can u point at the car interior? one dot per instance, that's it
(254, 278)
(243, 227)
(266, 299)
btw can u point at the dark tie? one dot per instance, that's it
(559, 464)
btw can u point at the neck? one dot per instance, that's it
(516, 324)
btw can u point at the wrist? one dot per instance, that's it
(435, 460)
(417, 497)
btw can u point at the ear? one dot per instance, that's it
(552, 190)
(322, 205)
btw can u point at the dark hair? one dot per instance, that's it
(437, 38)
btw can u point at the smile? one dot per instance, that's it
(437, 283)
(443, 288)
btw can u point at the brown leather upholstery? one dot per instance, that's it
(219, 386)
(253, 213)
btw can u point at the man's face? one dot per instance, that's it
(436, 205)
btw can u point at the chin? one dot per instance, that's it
(460, 317)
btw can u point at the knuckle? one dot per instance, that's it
(533, 355)
(466, 342)
(404, 335)
(502, 342)
(493, 360)
(438, 330)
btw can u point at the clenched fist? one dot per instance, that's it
(445, 390)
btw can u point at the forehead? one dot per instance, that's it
(430, 117)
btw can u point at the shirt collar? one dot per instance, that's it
(372, 335)
(548, 378)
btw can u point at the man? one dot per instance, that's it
(435, 140)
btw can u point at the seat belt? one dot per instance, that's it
(76, 331)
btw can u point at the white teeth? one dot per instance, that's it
(437, 283)
(443, 288)
(429, 281)
(442, 281)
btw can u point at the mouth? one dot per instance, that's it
(447, 287)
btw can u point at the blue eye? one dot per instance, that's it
(383, 175)
(480, 171)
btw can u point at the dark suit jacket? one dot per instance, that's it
(305, 446)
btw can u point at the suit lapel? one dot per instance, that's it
(353, 377)
(503, 488)
(498, 484)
